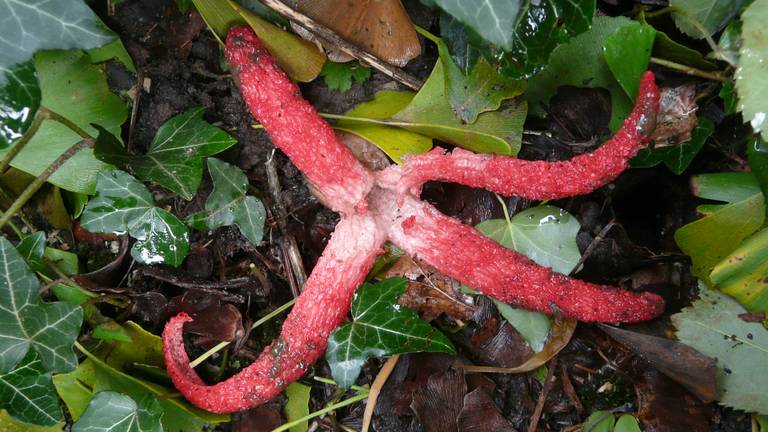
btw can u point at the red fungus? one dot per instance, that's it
(384, 205)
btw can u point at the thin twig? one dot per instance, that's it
(33, 187)
(375, 390)
(588, 251)
(135, 108)
(689, 70)
(543, 396)
(331, 37)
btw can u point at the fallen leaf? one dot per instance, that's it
(439, 402)
(480, 414)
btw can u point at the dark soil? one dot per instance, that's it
(181, 66)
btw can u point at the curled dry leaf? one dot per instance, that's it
(677, 115)
(111, 273)
(664, 406)
(438, 403)
(480, 414)
(213, 319)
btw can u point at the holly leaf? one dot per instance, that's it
(32, 25)
(753, 68)
(591, 69)
(122, 204)
(26, 322)
(713, 327)
(19, 101)
(339, 76)
(76, 89)
(724, 226)
(114, 412)
(701, 18)
(677, 157)
(228, 203)
(27, 393)
(494, 20)
(380, 327)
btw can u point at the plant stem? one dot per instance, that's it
(222, 345)
(41, 115)
(68, 123)
(689, 70)
(325, 410)
(325, 380)
(33, 187)
(662, 11)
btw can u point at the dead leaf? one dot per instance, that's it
(664, 406)
(111, 273)
(677, 116)
(213, 319)
(480, 414)
(438, 403)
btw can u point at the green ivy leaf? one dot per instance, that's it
(77, 90)
(339, 76)
(677, 157)
(115, 412)
(27, 322)
(174, 158)
(228, 203)
(600, 421)
(494, 20)
(547, 235)
(753, 68)
(724, 226)
(713, 327)
(32, 25)
(591, 69)
(28, 394)
(380, 327)
(122, 204)
(627, 423)
(298, 405)
(701, 18)
(627, 52)
(666, 48)
(19, 101)
(35, 253)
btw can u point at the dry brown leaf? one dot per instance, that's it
(677, 116)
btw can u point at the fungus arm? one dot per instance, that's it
(479, 262)
(294, 126)
(322, 305)
(540, 180)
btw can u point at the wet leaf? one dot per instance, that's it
(430, 114)
(701, 18)
(8, 424)
(298, 405)
(174, 158)
(19, 101)
(743, 274)
(228, 203)
(26, 322)
(105, 370)
(339, 76)
(494, 20)
(115, 412)
(666, 48)
(724, 226)
(123, 205)
(591, 70)
(366, 120)
(677, 157)
(380, 327)
(27, 393)
(627, 52)
(753, 67)
(32, 25)
(712, 326)
(757, 156)
(77, 90)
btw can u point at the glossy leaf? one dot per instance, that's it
(677, 157)
(430, 114)
(534, 326)
(9, 424)
(757, 155)
(380, 327)
(494, 20)
(591, 69)
(26, 322)
(666, 48)
(701, 18)
(228, 203)
(627, 52)
(77, 90)
(753, 68)
(367, 120)
(174, 158)
(713, 327)
(339, 76)
(600, 421)
(115, 412)
(298, 405)
(104, 370)
(724, 226)
(31, 25)
(627, 423)
(743, 274)
(35, 253)
(124, 205)
(19, 101)
(28, 394)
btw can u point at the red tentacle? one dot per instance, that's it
(294, 125)
(540, 180)
(322, 305)
(479, 262)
